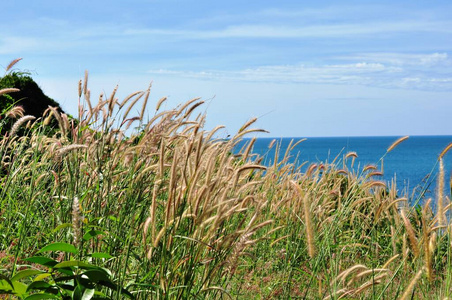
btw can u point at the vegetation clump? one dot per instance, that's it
(171, 212)
(25, 93)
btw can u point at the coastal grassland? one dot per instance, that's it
(168, 211)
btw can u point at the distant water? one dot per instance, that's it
(413, 162)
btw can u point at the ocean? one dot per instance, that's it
(413, 163)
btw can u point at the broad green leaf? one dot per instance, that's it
(62, 226)
(42, 276)
(88, 294)
(92, 233)
(97, 275)
(75, 263)
(20, 288)
(41, 260)
(114, 287)
(67, 287)
(5, 279)
(25, 273)
(65, 278)
(65, 247)
(101, 255)
(38, 285)
(42, 296)
(78, 293)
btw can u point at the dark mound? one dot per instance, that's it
(30, 97)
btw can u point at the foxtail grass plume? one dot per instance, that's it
(445, 151)
(409, 290)
(411, 234)
(396, 143)
(76, 222)
(19, 123)
(440, 194)
(16, 111)
(66, 149)
(8, 90)
(308, 220)
(12, 63)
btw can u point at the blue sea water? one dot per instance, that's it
(414, 162)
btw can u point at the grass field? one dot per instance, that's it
(95, 209)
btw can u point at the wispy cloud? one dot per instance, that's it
(15, 44)
(386, 73)
(404, 59)
(307, 31)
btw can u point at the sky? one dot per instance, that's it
(303, 68)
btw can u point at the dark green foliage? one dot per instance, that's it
(70, 279)
(30, 97)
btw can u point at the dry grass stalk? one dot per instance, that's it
(76, 222)
(431, 251)
(353, 155)
(12, 63)
(57, 116)
(411, 234)
(8, 90)
(85, 83)
(145, 102)
(373, 281)
(445, 151)
(393, 241)
(160, 102)
(80, 90)
(307, 219)
(16, 111)
(192, 108)
(66, 149)
(426, 230)
(344, 274)
(396, 143)
(19, 123)
(440, 193)
(409, 289)
(247, 124)
(336, 293)
(132, 105)
(385, 266)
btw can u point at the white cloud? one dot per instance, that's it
(15, 45)
(361, 73)
(403, 59)
(340, 30)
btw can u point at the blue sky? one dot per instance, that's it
(305, 68)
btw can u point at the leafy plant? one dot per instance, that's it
(69, 279)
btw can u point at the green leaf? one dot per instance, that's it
(62, 226)
(97, 275)
(67, 287)
(65, 278)
(25, 273)
(5, 279)
(88, 294)
(65, 247)
(75, 263)
(114, 287)
(101, 255)
(42, 296)
(20, 288)
(38, 285)
(78, 292)
(91, 234)
(41, 260)
(42, 276)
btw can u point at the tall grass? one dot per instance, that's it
(172, 212)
